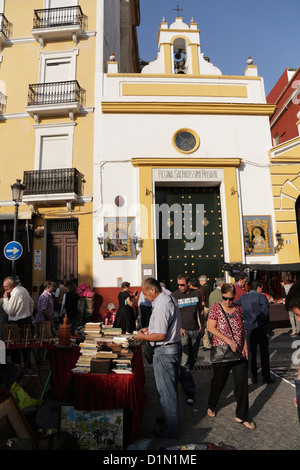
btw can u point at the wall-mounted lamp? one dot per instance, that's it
(38, 232)
(148, 192)
(137, 241)
(233, 191)
(279, 241)
(248, 244)
(101, 241)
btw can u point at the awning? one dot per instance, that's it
(261, 267)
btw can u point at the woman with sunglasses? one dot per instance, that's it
(218, 326)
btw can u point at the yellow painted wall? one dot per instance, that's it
(20, 14)
(233, 216)
(161, 89)
(147, 252)
(17, 139)
(286, 189)
(19, 68)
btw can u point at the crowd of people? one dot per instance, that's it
(175, 324)
(55, 300)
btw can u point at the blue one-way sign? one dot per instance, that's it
(13, 250)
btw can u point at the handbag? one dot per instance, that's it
(223, 354)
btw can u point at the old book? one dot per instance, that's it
(106, 354)
(112, 331)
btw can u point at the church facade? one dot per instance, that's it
(182, 184)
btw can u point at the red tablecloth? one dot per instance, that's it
(63, 360)
(95, 391)
(99, 391)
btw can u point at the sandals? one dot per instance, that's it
(248, 424)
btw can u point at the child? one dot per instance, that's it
(109, 318)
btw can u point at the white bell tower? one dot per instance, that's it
(179, 51)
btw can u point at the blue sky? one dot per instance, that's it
(231, 31)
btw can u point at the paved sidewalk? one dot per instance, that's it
(271, 407)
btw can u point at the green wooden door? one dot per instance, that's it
(177, 253)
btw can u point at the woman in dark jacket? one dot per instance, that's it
(125, 318)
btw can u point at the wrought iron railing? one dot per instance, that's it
(63, 16)
(65, 180)
(4, 25)
(55, 93)
(2, 102)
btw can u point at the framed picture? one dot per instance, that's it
(13, 424)
(258, 230)
(93, 430)
(118, 237)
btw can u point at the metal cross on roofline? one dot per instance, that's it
(177, 9)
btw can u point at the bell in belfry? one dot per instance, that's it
(65, 333)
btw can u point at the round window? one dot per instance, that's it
(186, 141)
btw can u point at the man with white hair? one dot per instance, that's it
(17, 302)
(18, 305)
(163, 333)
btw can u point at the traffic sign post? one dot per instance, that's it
(13, 251)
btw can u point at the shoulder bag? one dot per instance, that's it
(223, 354)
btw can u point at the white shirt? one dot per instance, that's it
(19, 305)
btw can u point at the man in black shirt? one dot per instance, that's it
(191, 311)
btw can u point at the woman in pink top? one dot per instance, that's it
(218, 326)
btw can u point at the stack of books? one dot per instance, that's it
(92, 331)
(107, 330)
(102, 354)
(122, 366)
(104, 347)
(88, 350)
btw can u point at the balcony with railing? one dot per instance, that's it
(55, 98)
(58, 24)
(54, 186)
(5, 28)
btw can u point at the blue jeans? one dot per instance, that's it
(190, 347)
(166, 362)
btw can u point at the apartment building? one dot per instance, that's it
(52, 59)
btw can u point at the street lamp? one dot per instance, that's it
(17, 196)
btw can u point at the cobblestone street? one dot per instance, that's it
(271, 407)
